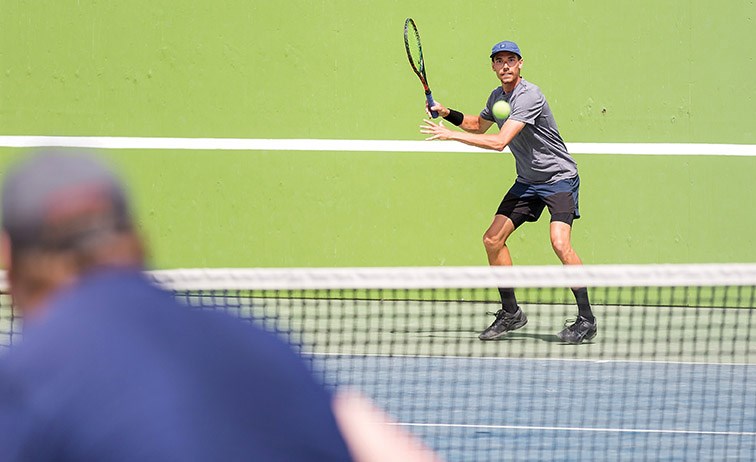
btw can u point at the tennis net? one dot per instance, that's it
(671, 374)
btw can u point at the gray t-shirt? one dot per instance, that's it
(539, 151)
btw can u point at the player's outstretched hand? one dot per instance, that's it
(438, 107)
(437, 130)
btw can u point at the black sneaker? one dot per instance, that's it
(504, 323)
(579, 331)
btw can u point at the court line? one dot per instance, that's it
(251, 144)
(500, 358)
(578, 429)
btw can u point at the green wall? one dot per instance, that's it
(643, 71)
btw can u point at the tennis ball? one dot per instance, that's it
(501, 109)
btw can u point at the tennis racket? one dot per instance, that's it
(415, 56)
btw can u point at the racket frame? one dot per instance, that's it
(410, 28)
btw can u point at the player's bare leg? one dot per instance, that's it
(495, 241)
(509, 317)
(584, 327)
(561, 243)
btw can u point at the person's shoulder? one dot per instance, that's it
(526, 87)
(244, 336)
(527, 94)
(104, 286)
(496, 93)
(104, 297)
(101, 304)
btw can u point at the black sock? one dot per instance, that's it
(508, 299)
(584, 306)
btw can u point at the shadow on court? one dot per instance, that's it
(464, 333)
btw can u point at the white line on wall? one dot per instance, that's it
(252, 144)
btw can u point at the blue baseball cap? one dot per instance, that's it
(506, 46)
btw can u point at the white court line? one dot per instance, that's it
(251, 144)
(578, 429)
(500, 358)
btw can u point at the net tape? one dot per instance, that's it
(459, 277)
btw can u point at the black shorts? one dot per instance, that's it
(525, 202)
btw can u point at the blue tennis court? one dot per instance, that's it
(473, 409)
(670, 376)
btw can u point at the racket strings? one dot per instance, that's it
(414, 49)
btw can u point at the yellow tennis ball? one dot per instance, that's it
(501, 109)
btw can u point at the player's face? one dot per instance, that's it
(507, 67)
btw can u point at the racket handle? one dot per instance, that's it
(431, 103)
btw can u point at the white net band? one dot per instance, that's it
(459, 277)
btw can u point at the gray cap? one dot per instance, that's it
(54, 198)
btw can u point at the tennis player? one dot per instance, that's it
(112, 368)
(547, 176)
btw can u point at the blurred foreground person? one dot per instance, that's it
(113, 368)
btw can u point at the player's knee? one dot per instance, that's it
(560, 245)
(492, 242)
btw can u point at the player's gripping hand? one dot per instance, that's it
(438, 107)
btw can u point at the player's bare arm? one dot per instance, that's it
(496, 142)
(471, 123)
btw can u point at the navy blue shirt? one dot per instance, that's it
(117, 370)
